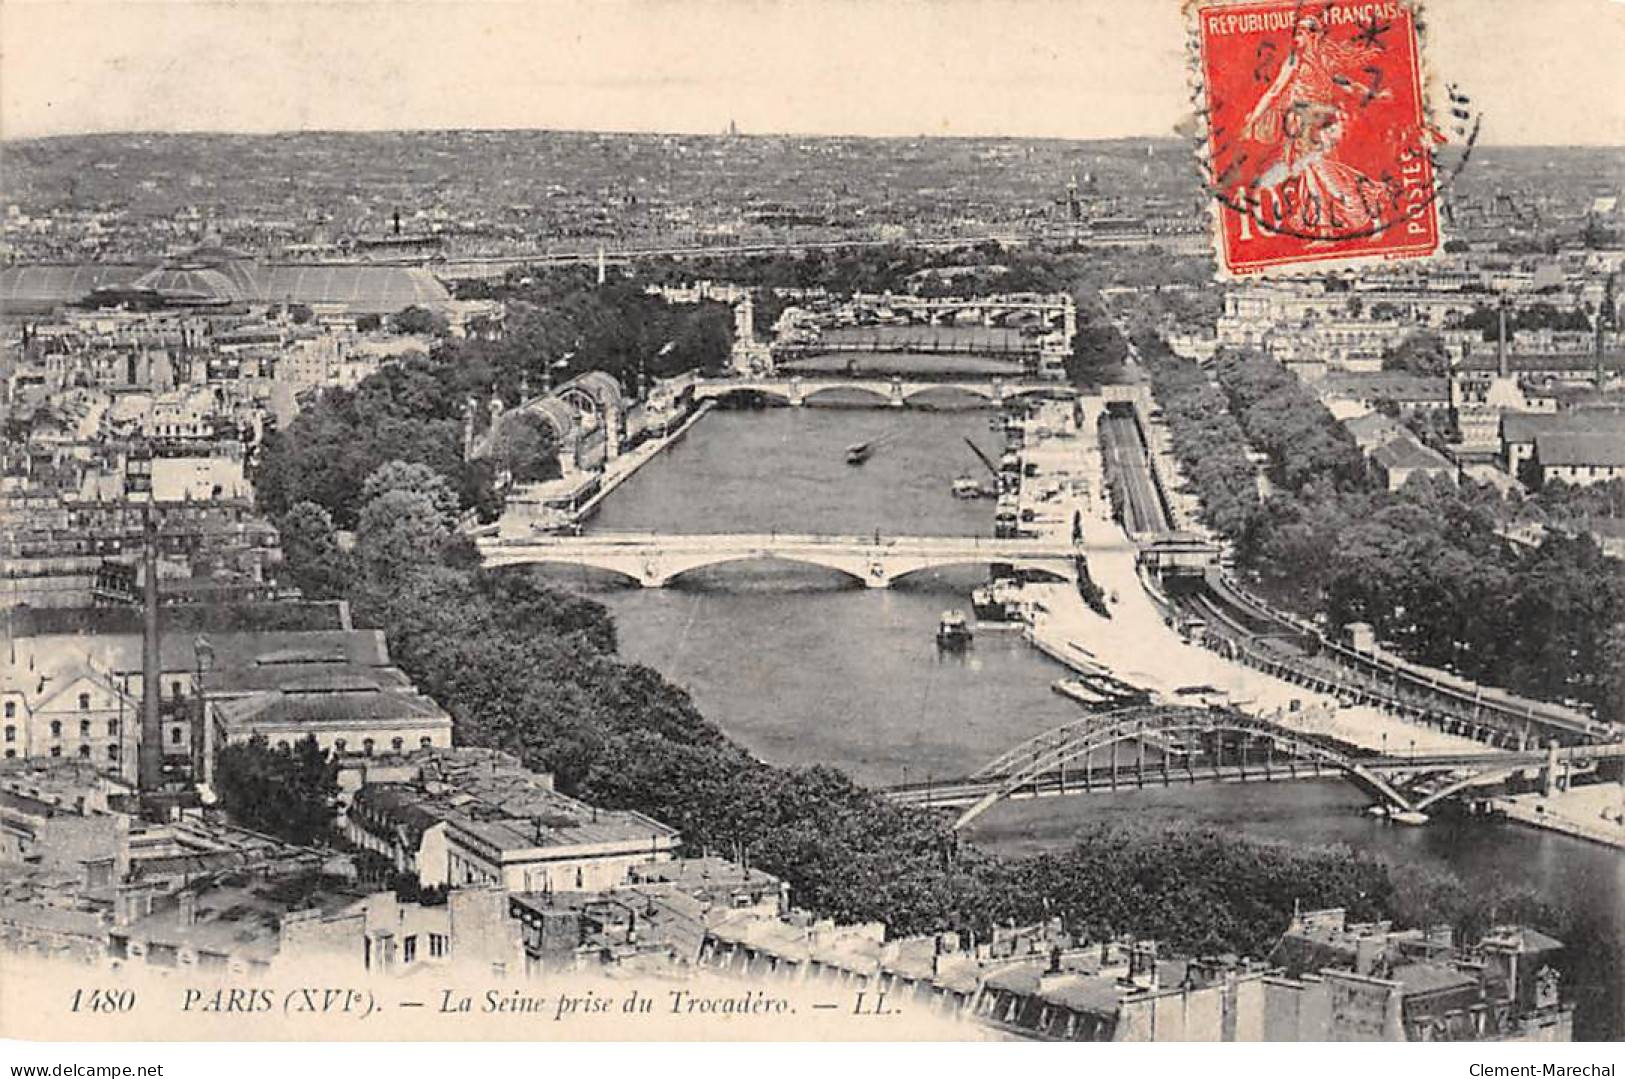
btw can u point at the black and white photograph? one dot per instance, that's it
(760, 521)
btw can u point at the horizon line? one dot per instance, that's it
(712, 134)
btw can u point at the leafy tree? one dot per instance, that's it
(411, 411)
(1426, 566)
(290, 792)
(395, 530)
(1421, 353)
(419, 320)
(526, 446)
(1612, 673)
(315, 564)
(412, 478)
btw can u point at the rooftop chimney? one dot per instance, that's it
(1142, 964)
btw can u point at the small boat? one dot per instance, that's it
(999, 602)
(859, 452)
(1078, 690)
(969, 487)
(953, 630)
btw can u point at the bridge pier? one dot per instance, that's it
(795, 395)
(894, 398)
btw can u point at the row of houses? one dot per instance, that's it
(72, 687)
(579, 892)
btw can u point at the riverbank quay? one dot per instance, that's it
(623, 468)
(1594, 812)
(533, 510)
(1139, 644)
(1136, 643)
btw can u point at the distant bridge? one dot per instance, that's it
(1009, 345)
(655, 560)
(895, 392)
(1192, 745)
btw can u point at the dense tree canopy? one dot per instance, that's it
(1535, 316)
(559, 325)
(1420, 353)
(419, 320)
(411, 411)
(289, 792)
(1427, 566)
(526, 447)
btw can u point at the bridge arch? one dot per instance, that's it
(771, 391)
(823, 390)
(615, 565)
(1461, 783)
(1058, 569)
(1056, 748)
(948, 390)
(674, 570)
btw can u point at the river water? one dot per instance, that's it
(801, 666)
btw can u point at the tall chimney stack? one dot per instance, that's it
(150, 758)
(1501, 339)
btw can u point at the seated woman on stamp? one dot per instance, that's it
(1303, 118)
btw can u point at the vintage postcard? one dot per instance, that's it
(737, 521)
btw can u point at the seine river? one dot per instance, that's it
(802, 667)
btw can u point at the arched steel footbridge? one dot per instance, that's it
(1177, 745)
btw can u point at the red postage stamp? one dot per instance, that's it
(1317, 144)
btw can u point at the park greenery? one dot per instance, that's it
(532, 670)
(1535, 316)
(288, 791)
(1428, 566)
(560, 324)
(1420, 353)
(416, 410)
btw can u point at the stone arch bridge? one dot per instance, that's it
(894, 392)
(655, 560)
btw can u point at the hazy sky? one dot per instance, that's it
(1541, 71)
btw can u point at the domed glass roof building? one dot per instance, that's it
(219, 278)
(188, 286)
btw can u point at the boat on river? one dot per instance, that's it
(970, 487)
(859, 452)
(999, 603)
(1079, 690)
(953, 630)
